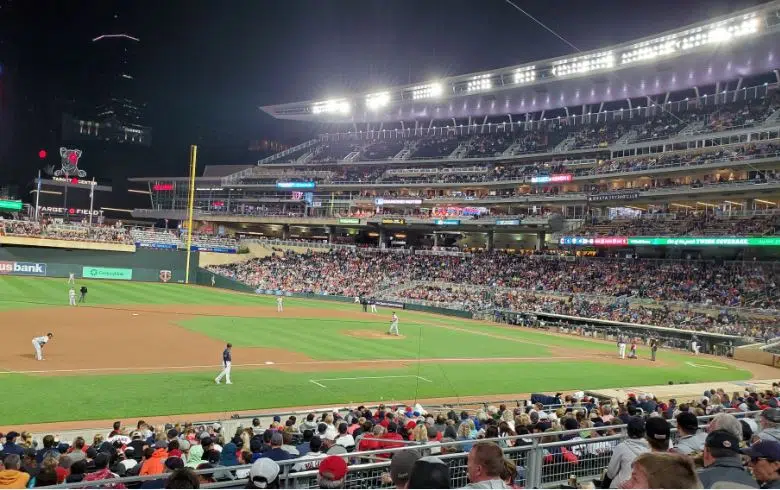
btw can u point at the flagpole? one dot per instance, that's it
(38, 195)
(91, 199)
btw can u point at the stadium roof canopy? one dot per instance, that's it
(738, 45)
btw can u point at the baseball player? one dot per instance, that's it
(695, 346)
(213, 281)
(393, 325)
(279, 304)
(372, 303)
(653, 347)
(226, 362)
(632, 351)
(72, 297)
(83, 292)
(621, 346)
(38, 343)
(71, 279)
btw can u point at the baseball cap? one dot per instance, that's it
(764, 449)
(658, 429)
(174, 463)
(722, 439)
(263, 472)
(172, 433)
(688, 421)
(11, 435)
(184, 445)
(401, 465)
(333, 468)
(772, 414)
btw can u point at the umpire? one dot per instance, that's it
(83, 297)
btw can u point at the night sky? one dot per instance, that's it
(205, 66)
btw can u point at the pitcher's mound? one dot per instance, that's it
(371, 334)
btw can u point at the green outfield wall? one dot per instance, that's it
(142, 265)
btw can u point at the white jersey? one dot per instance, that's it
(394, 319)
(72, 293)
(41, 340)
(279, 300)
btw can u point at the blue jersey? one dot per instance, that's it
(226, 356)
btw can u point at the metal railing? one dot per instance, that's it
(538, 458)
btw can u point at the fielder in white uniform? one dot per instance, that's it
(372, 303)
(279, 304)
(72, 297)
(72, 278)
(695, 346)
(393, 325)
(622, 346)
(227, 360)
(38, 343)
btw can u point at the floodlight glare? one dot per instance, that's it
(340, 106)
(378, 100)
(429, 91)
(525, 75)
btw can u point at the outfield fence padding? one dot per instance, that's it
(146, 265)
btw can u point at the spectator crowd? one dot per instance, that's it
(717, 440)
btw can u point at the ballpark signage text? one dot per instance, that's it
(107, 273)
(23, 268)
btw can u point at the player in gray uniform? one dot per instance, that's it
(393, 325)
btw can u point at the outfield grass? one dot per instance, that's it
(31, 398)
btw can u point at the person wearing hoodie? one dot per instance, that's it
(691, 439)
(227, 458)
(103, 473)
(624, 454)
(195, 456)
(156, 464)
(12, 476)
(77, 472)
(770, 426)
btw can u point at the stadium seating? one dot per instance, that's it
(356, 273)
(572, 438)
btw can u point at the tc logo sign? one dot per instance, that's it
(165, 276)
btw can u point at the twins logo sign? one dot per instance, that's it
(70, 163)
(165, 276)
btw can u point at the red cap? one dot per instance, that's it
(333, 468)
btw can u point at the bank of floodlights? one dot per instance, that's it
(335, 106)
(427, 91)
(721, 32)
(526, 74)
(377, 101)
(584, 64)
(479, 83)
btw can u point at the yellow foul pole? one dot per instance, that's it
(190, 206)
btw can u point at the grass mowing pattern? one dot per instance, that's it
(29, 398)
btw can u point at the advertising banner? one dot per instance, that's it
(393, 221)
(692, 241)
(295, 185)
(614, 196)
(544, 179)
(107, 273)
(446, 222)
(507, 222)
(602, 241)
(219, 250)
(380, 201)
(23, 268)
(159, 246)
(390, 304)
(349, 221)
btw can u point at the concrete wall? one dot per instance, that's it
(757, 356)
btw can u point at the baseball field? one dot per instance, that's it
(143, 349)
